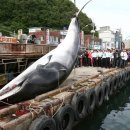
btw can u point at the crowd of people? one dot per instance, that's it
(104, 58)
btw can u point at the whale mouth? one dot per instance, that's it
(9, 92)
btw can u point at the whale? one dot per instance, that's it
(48, 72)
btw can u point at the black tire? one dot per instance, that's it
(115, 83)
(80, 105)
(119, 81)
(122, 83)
(105, 88)
(65, 118)
(127, 76)
(91, 98)
(99, 96)
(128, 71)
(43, 123)
(111, 86)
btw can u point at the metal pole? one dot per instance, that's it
(93, 37)
(93, 31)
(85, 26)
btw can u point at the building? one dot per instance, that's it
(91, 43)
(45, 36)
(118, 39)
(107, 36)
(50, 36)
(127, 43)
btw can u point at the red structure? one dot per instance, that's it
(49, 36)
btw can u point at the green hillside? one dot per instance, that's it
(17, 14)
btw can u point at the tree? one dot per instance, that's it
(17, 14)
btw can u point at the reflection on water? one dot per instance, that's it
(112, 115)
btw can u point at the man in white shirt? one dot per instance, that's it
(124, 58)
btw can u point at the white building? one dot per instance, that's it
(127, 43)
(107, 36)
(34, 29)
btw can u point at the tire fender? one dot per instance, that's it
(43, 122)
(105, 88)
(80, 105)
(121, 80)
(64, 118)
(110, 83)
(115, 83)
(91, 98)
(99, 95)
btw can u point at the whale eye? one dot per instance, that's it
(14, 86)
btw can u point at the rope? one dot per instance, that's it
(7, 103)
(92, 81)
(50, 106)
(36, 110)
(59, 107)
(39, 109)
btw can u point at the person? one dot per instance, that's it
(84, 59)
(128, 55)
(89, 58)
(99, 58)
(108, 55)
(80, 60)
(94, 57)
(124, 58)
(117, 58)
(112, 60)
(104, 59)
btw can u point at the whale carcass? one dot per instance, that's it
(46, 73)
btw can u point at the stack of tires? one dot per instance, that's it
(81, 104)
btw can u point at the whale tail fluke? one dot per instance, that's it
(77, 14)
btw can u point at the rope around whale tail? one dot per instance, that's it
(77, 14)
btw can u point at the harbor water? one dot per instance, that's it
(112, 115)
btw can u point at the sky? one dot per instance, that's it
(113, 13)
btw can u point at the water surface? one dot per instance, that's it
(112, 115)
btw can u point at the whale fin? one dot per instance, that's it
(47, 60)
(42, 66)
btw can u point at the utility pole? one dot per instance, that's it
(82, 34)
(93, 32)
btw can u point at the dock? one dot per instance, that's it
(83, 91)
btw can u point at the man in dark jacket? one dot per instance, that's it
(117, 58)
